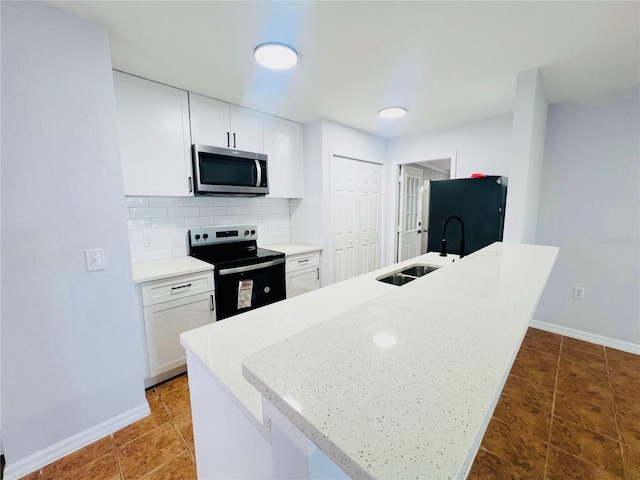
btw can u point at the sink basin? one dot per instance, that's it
(407, 275)
(397, 279)
(418, 270)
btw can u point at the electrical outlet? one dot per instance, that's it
(578, 292)
(148, 241)
(94, 259)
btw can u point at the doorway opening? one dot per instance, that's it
(412, 201)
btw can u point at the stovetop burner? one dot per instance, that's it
(226, 246)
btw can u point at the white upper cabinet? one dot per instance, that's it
(154, 137)
(209, 121)
(221, 124)
(157, 124)
(246, 129)
(283, 146)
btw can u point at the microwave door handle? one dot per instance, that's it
(259, 170)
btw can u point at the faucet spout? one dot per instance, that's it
(443, 245)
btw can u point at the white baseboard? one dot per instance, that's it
(587, 337)
(33, 462)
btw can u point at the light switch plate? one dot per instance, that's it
(95, 259)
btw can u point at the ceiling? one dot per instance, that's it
(446, 62)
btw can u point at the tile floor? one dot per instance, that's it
(569, 411)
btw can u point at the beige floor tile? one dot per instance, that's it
(180, 467)
(543, 335)
(523, 454)
(524, 418)
(602, 452)
(563, 466)
(175, 383)
(78, 459)
(177, 401)
(157, 417)
(144, 454)
(535, 366)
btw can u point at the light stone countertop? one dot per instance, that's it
(404, 385)
(222, 346)
(170, 267)
(293, 248)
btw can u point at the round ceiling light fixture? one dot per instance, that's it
(277, 56)
(392, 112)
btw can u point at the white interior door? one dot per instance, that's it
(355, 217)
(409, 225)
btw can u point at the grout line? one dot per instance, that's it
(115, 452)
(553, 408)
(615, 416)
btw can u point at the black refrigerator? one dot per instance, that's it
(479, 202)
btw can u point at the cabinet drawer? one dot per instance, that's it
(173, 288)
(304, 260)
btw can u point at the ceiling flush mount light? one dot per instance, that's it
(392, 112)
(276, 56)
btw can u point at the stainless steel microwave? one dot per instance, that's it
(224, 171)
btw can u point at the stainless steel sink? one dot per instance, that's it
(407, 275)
(397, 279)
(418, 270)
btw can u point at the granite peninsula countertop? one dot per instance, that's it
(222, 346)
(404, 385)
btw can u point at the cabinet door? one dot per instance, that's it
(246, 129)
(164, 322)
(302, 281)
(154, 137)
(283, 146)
(209, 121)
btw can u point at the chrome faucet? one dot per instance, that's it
(443, 247)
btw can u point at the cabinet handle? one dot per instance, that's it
(318, 274)
(302, 261)
(211, 302)
(228, 142)
(181, 286)
(234, 139)
(190, 187)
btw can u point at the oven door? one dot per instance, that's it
(242, 288)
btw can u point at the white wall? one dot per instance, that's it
(71, 340)
(529, 126)
(167, 220)
(481, 146)
(589, 207)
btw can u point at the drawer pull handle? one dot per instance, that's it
(302, 261)
(181, 286)
(211, 302)
(318, 275)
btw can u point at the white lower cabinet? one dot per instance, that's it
(173, 306)
(303, 273)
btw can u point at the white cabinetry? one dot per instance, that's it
(172, 306)
(209, 121)
(246, 129)
(154, 137)
(221, 124)
(283, 146)
(303, 273)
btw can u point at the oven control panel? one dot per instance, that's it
(222, 234)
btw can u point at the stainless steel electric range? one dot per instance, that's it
(245, 276)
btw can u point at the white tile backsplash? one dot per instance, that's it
(304, 217)
(167, 220)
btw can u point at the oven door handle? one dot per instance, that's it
(249, 268)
